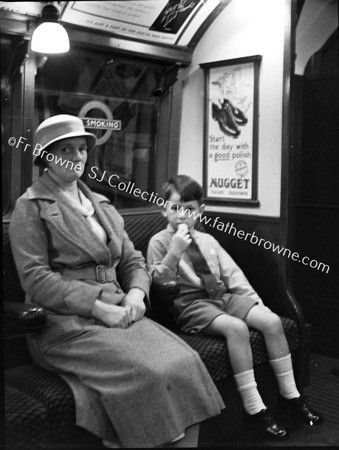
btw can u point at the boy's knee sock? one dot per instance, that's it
(247, 388)
(283, 370)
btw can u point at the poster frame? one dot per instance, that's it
(255, 62)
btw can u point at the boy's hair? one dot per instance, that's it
(186, 187)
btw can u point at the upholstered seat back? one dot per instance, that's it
(141, 227)
(12, 290)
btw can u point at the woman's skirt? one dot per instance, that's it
(143, 383)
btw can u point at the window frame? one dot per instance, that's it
(168, 133)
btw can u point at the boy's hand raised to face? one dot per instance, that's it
(181, 240)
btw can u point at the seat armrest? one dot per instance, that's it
(163, 309)
(23, 317)
(168, 290)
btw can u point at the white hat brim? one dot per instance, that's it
(90, 138)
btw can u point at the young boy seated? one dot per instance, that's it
(217, 299)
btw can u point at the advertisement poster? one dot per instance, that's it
(158, 21)
(231, 130)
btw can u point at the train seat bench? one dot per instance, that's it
(39, 405)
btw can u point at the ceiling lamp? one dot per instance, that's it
(50, 36)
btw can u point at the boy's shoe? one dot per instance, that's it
(264, 424)
(299, 410)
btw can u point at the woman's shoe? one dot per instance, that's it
(300, 411)
(265, 425)
(178, 438)
(174, 442)
(111, 444)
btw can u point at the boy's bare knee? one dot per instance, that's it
(274, 324)
(238, 328)
(233, 327)
(228, 326)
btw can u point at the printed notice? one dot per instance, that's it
(159, 21)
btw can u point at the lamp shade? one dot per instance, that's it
(50, 37)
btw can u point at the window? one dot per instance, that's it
(6, 51)
(13, 61)
(109, 90)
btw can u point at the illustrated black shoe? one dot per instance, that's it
(238, 115)
(300, 411)
(225, 119)
(265, 425)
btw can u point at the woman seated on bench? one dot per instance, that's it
(75, 259)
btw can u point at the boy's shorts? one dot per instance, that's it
(197, 313)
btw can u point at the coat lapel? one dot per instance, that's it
(70, 223)
(112, 228)
(104, 221)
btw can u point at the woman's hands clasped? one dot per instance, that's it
(134, 300)
(131, 310)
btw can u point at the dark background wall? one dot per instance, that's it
(314, 208)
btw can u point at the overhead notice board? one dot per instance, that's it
(171, 22)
